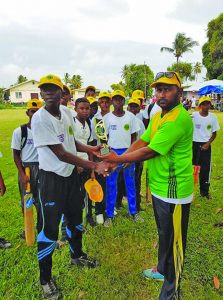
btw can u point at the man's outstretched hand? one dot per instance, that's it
(110, 157)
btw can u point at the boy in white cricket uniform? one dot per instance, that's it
(205, 131)
(121, 127)
(25, 155)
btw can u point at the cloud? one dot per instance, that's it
(197, 12)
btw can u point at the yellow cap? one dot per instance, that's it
(104, 94)
(94, 190)
(175, 80)
(34, 104)
(51, 79)
(118, 93)
(138, 94)
(203, 99)
(90, 87)
(135, 101)
(67, 88)
(92, 100)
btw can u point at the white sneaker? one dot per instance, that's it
(115, 212)
(100, 219)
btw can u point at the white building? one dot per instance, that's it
(22, 92)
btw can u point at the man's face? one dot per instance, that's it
(65, 98)
(167, 95)
(83, 110)
(51, 94)
(133, 108)
(118, 102)
(104, 104)
(90, 93)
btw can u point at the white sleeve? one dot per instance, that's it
(43, 132)
(135, 124)
(145, 113)
(215, 125)
(94, 137)
(16, 139)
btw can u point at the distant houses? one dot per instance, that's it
(22, 92)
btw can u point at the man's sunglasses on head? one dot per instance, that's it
(167, 75)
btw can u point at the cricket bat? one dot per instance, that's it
(28, 213)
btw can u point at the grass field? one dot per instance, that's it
(123, 250)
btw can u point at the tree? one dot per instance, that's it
(184, 69)
(213, 49)
(74, 82)
(137, 77)
(118, 86)
(180, 45)
(21, 79)
(197, 69)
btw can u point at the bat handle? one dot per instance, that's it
(27, 172)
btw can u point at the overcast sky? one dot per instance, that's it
(96, 38)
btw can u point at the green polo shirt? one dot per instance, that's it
(171, 173)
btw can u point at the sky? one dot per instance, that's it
(96, 38)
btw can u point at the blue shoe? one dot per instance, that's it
(153, 274)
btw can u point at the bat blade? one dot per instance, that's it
(28, 215)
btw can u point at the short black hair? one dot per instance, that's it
(81, 100)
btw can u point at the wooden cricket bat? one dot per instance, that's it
(28, 213)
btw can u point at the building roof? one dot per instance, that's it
(196, 86)
(19, 84)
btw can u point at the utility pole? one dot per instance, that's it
(145, 89)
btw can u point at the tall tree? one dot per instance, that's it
(21, 79)
(184, 69)
(213, 49)
(66, 78)
(74, 82)
(180, 45)
(137, 77)
(197, 69)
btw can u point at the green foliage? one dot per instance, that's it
(21, 79)
(197, 69)
(180, 45)
(184, 69)
(123, 250)
(118, 86)
(137, 77)
(74, 82)
(213, 49)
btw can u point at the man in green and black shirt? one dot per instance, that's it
(167, 145)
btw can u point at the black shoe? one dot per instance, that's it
(85, 261)
(22, 235)
(91, 221)
(51, 291)
(208, 196)
(4, 244)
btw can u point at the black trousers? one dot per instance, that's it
(172, 224)
(203, 159)
(58, 195)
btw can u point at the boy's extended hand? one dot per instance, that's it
(103, 168)
(2, 186)
(110, 157)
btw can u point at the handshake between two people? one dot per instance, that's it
(107, 163)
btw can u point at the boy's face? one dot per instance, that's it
(90, 93)
(94, 108)
(133, 108)
(104, 104)
(65, 98)
(51, 94)
(205, 106)
(83, 110)
(118, 102)
(30, 112)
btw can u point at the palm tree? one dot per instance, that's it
(197, 69)
(181, 45)
(66, 78)
(76, 82)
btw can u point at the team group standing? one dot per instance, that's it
(62, 149)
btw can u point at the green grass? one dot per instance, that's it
(123, 250)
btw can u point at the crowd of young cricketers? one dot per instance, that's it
(62, 148)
